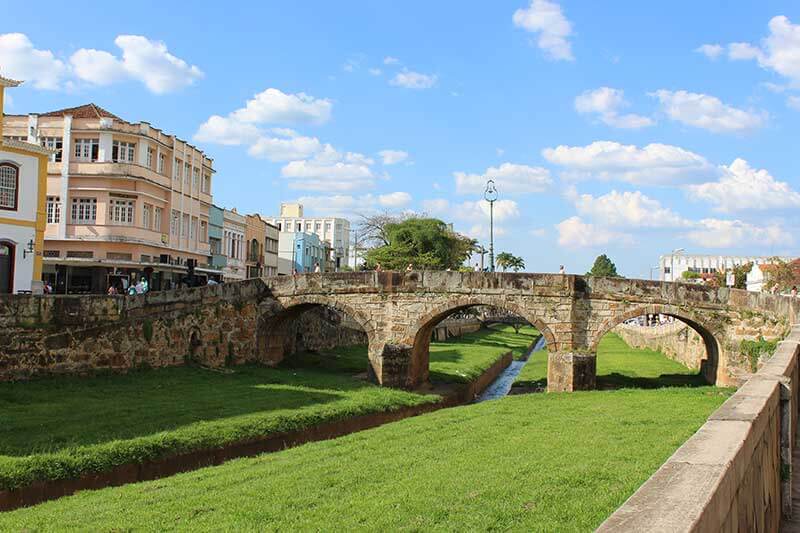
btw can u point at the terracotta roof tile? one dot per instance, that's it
(83, 111)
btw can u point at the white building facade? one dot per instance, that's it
(334, 231)
(234, 228)
(672, 266)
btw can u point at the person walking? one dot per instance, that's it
(378, 267)
(561, 270)
(316, 267)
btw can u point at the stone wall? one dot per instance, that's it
(735, 473)
(676, 340)
(450, 328)
(324, 328)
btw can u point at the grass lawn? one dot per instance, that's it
(60, 428)
(457, 360)
(619, 366)
(543, 462)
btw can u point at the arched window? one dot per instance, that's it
(9, 186)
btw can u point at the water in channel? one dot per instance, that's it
(502, 385)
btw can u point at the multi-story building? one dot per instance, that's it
(335, 231)
(23, 183)
(672, 266)
(216, 221)
(299, 252)
(256, 238)
(271, 251)
(234, 229)
(123, 200)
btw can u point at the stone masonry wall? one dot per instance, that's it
(677, 341)
(324, 328)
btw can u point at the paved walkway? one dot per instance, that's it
(793, 525)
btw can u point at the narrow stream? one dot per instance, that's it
(502, 385)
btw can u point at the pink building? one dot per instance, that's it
(124, 200)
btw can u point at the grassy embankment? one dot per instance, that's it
(62, 428)
(543, 462)
(619, 366)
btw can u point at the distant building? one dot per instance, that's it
(216, 223)
(672, 266)
(334, 231)
(271, 251)
(256, 238)
(234, 229)
(299, 252)
(759, 275)
(23, 188)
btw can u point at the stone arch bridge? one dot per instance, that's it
(251, 321)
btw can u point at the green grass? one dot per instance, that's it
(540, 462)
(619, 366)
(458, 360)
(61, 428)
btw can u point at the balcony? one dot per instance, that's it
(219, 260)
(110, 169)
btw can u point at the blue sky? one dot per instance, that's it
(608, 130)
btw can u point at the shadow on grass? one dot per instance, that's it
(615, 380)
(52, 414)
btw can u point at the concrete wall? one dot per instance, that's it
(735, 473)
(677, 341)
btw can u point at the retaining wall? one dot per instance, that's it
(677, 341)
(735, 473)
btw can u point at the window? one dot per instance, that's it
(157, 215)
(318, 226)
(86, 149)
(280, 226)
(185, 225)
(53, 209)
(177, 169)
(54, 143)
(308, 226)
(84, 210)
(9, 182)
(121, 211)
(174, 223)
(149, 158)
(206, 183)
(187, 173)
(196, 180)
(122, 152)
(299, 227)
(19, 138)
(327, 226)
(147, 210)
(162, 162)
(193, 229)
(203, 231)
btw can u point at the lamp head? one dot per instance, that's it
(490, 194)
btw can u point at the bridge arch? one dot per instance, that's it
(276, 319)
(420, 333)
(710, 367)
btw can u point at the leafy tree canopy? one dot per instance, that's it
(603, 266)
(426, 243)
(506, 260)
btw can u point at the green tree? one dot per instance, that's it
(782, 276)
(507, 260)
(603, 266)
(426, 243)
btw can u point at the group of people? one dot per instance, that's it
(140, 287)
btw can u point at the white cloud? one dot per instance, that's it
(471, 211)
(711, 51)
(414, 80)
(330, 170)
(538, 232)
(716, 233)
(19, 60)
(375, 71)
(545, 18)
(142, 59)
(286, 146)
(276, 107)
(742, 187)
(707, 112)
(779, 51)
(575, 233)
(392, 157)
(793, 102)
(394, 199)
(509, 178)
(630, 210)
(607, 103)
(227, 131)
(655, 164)
(389, 60)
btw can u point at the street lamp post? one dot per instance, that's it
(490, 195)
